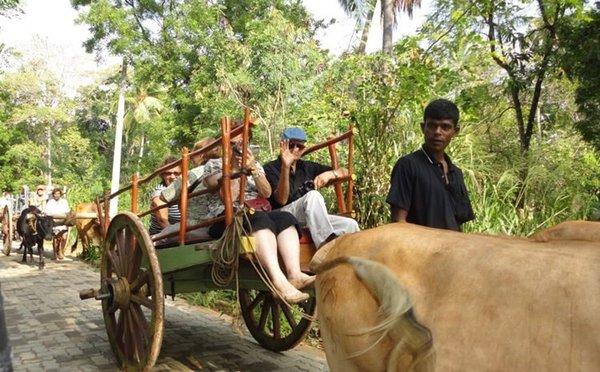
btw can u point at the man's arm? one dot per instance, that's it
(161, 215)
(401, 190)
(288, 157)
(398, 214)
(282, 192)
(326, 177)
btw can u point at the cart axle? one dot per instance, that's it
(86, 294)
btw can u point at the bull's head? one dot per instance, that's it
(44, 226)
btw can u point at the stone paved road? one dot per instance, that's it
(51, 329)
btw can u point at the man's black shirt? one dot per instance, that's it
(417, 186)
(305, 170)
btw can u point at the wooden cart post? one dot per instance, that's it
(245, 140)
(183, 198)
(337, 186)
(350, 189)
(226, 177)
(134, 192)
(106, 219)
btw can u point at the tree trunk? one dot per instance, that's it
(141, 153)
(116, 167)
(366, 28)
(387, 8)
(49, 139)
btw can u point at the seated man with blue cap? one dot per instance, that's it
(295, 183)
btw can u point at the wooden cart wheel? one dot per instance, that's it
(133, 306)
(7, 230)
(275, 326)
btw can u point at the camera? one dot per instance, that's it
(237, 150)
(306, 187)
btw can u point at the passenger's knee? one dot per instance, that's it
(352, 226)
(313, 196)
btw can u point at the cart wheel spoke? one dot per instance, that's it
(134, 264)
(142, 323)
(115, 262)
(264, 313)
(123, 251)
(289, 316)
(260, 297)
(139, 282)
(120, 325)
(144, 301)
(275, 313)
(136, 348)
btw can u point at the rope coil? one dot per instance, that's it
(226, 260)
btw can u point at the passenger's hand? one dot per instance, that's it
(323, 179)
(250, 160)
(288, 157)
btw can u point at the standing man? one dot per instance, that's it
(426, 187)
(58, 206)
(40, 198)
(295, 183)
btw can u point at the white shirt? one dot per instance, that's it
(56, 207)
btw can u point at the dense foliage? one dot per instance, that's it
(527, 148)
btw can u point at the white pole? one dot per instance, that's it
(116, 168)
(49, 138)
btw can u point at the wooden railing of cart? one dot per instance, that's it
(344, 203)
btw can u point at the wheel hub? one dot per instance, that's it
(120, 293)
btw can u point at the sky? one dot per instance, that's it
(48, 28)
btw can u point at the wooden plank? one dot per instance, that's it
(184, 257)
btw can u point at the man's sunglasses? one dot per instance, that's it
(298, 145)
(172, 173)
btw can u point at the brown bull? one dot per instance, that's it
(89, 231)
(414, 298)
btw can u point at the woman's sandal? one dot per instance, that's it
(303, 282)
(296, 297)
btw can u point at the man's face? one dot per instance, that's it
(438, 133)
(56, 195)
(295, 144)
(40, 192)
(170, 175)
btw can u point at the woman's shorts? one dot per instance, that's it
(276, 221)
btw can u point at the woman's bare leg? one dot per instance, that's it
(289, 249)
(267, 254)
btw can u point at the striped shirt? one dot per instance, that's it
(174, 214)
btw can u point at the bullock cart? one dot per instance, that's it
(136, 273)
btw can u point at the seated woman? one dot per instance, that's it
(164, 217)
(274, 231)
(197, 206)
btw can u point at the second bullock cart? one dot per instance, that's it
(136, 273)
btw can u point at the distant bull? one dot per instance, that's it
(89, 231)
(403, 297)
(34, 228)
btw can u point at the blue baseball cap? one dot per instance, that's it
(294, 133)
